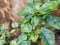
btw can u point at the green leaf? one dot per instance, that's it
(22, 40)
(29, 16)
(53, 21)
(7, 34)
(26, 28)
(26, 11)
(22, 12)
(29, 10)
(29, 1)
(36, 20)
(2, 27)
(46, 0)
(22, 37)
(2, 39)
(37, 7)
(34, 39)
(13, 42)
(38, 31)
(36, 1)
(47, 7)
(24, 20)
(2, 42)
(25, 43)
(47, 36)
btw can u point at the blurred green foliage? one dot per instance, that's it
(36, 13)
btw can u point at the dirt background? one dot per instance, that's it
(9, 10)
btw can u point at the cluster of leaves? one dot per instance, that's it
(36, 13)
(3, 34)
(37, 16)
